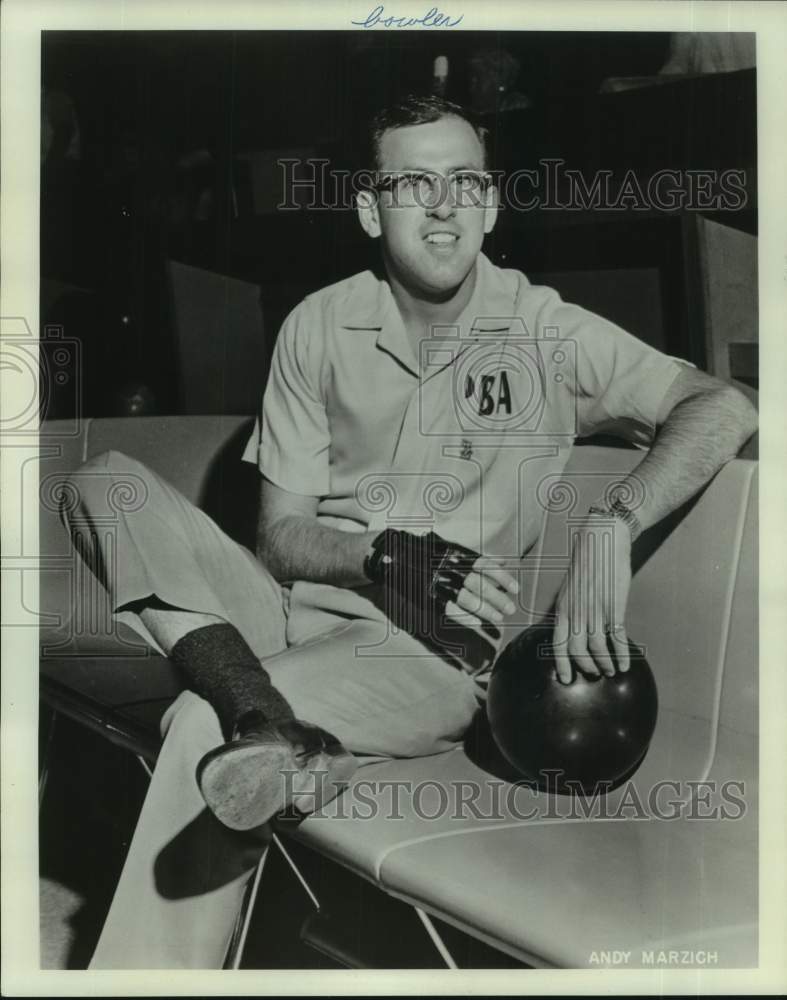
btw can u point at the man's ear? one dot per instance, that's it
(368, 212)
(491, 207)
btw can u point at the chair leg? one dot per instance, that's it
(144, 765)
(437, 941)
(238, 939)
(306, 887)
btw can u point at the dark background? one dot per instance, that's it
(178, 136)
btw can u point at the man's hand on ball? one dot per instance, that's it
(590, 632)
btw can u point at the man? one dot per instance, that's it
(406, 426)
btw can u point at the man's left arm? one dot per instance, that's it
(703, 424)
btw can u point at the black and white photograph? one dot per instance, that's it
(385, 440)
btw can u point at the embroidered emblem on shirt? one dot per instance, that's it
(491, 392)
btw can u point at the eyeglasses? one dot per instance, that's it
(427, 188)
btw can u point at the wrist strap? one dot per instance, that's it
(620, 511)
(425, 564)
(380, 556)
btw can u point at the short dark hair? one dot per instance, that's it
(415, 109)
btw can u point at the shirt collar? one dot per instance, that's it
(371, 306)
(490, 308)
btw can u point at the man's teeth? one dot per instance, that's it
(441, 238)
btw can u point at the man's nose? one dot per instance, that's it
(443, 206)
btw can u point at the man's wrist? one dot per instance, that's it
(618, 510)
(376, 557)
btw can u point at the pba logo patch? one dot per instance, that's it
(500, 384)
(490, 393)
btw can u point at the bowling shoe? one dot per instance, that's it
(288, 768)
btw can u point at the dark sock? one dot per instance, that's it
(223, 670)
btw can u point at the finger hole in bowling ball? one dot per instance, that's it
(589, 735)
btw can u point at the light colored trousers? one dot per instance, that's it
(182, 884)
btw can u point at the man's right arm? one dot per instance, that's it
(293, 545)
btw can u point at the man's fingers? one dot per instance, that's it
(620, 647)
(599, 651)
(455, 613)
(617, 630)
(560, 635)
(597, 645)
(580, 657)
(598, 597)
(476, 605)
(493, 569)
(482, 587)
(579, 611)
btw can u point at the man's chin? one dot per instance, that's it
(430, 278)
(442, 281)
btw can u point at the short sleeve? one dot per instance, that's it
(291, 439)
(618, 382)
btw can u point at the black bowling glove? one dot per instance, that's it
(426, 570)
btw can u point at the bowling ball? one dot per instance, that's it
(594, 732)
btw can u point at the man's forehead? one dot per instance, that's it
(441, 145)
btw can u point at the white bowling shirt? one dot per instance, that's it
(463, 441)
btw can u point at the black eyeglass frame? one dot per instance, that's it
(389, 180)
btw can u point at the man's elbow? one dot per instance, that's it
(269, 548)
(740, 415)
(280, 545)
(748, 416)
(753, 417)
